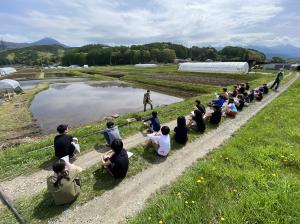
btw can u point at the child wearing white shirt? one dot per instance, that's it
(161, 141)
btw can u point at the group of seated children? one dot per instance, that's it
(240, 96)
(64, 185)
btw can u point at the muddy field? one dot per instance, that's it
(199, 79)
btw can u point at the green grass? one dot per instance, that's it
(253, 178)
(29, 157)
(95, 181)
(16, 119)
(40, 207)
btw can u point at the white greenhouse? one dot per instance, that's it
(7, 70)
(10, 85)
(215, 67)
(145, 65)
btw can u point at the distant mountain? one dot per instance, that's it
(286, 51)
(45, 41)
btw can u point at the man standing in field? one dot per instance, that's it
(147, 100)
(279, 77)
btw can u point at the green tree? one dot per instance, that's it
(278, 60)
(145, 56)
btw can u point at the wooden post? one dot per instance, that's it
(10, 206)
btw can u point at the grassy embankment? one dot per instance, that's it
(16, 119)
(40, 207)
(29, 157)
(147, 78)
(253, 178)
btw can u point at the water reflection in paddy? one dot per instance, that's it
(81, 103)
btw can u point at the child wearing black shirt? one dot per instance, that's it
(116, 160)
(181, 131)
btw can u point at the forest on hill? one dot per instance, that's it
(98, 54)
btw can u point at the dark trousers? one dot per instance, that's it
(145, 104)
(276, 82)
(106, 136)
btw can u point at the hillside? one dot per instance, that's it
(45, 41)
(286, 51)
(35, 55)
(98, 54)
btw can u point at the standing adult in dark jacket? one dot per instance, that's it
(63, 143)
(279, 77)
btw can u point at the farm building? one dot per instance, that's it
(145, 65)
(295, 67)
(274, 66)
(215, 67)
(7, 70)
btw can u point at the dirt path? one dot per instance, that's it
(28, 185)
(130, 196)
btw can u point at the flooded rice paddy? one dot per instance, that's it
(79, 103)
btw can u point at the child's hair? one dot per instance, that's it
(240, 96)
(117, 145)
(165, 130)
(222, 97)
(148, 91)
(59, 168)
(110, 124)
(224, 89)
(245, 94)
(62, 128)
(231, 100)
(181, 122)
(154, 114)
(264, 84)
(197, 101)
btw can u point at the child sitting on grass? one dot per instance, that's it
(200, 106)
(111, 132)
(251, 95)
(196, 122)
(181, 131)
(64, 185)
(258, 95)
(154, 125)
(240, 102)
(265, 88)
(215, 116)
(116, 160)
(161, 141)
(230, 109)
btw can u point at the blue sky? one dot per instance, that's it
(189, 22)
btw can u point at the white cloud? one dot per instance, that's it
(190, 22)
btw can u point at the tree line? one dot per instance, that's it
(97, 54)
(155, 53)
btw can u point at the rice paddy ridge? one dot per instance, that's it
(130, 195)
(28, 185)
